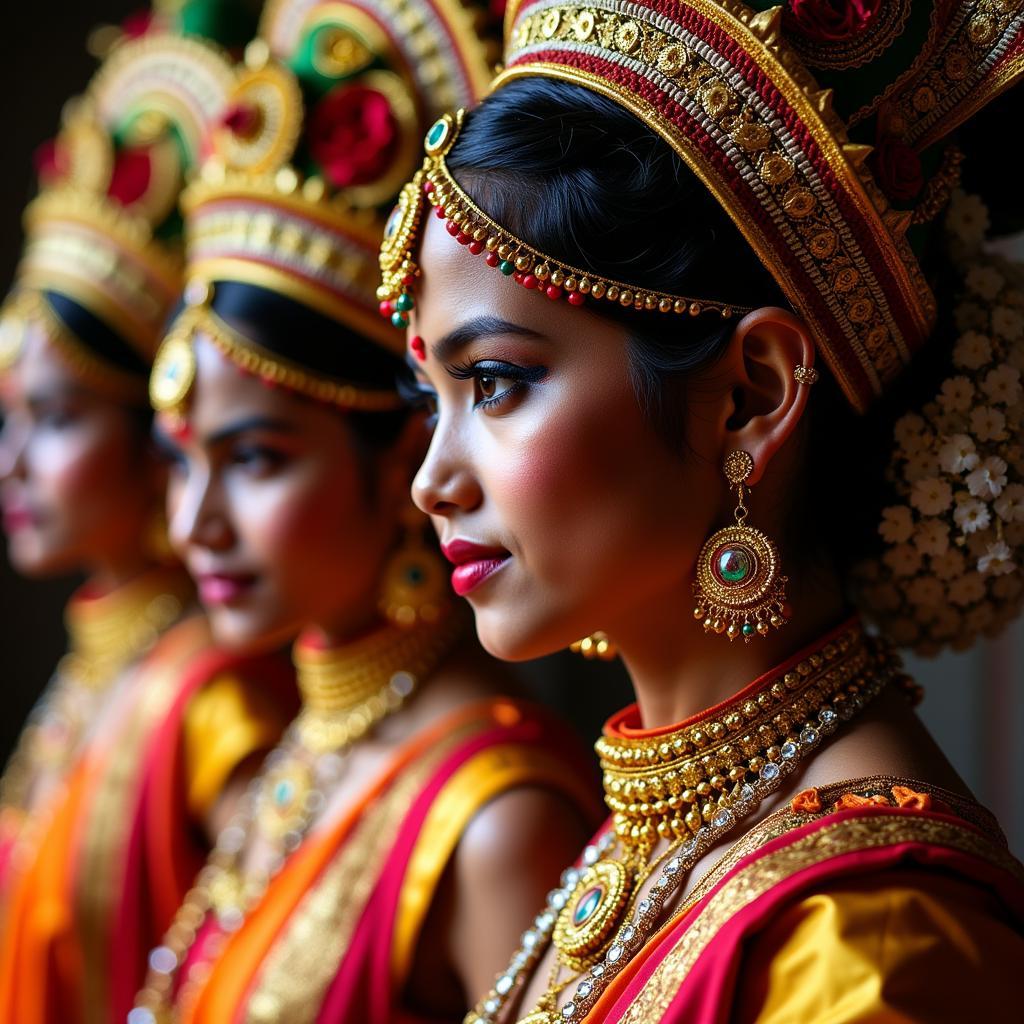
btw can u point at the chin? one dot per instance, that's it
(32, 560)
(514, 641)
(242, 630)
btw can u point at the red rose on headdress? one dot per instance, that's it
(830, 21)
(131, 176)
(353, 135)
(897, 169)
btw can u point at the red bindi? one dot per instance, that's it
(419, 348)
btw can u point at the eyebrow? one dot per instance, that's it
(230, 431)
(478, 327)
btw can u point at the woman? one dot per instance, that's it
(402, 831)
(141, 745)
(725, 277)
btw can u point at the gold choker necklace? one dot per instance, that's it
(691, 784)
(345, 692)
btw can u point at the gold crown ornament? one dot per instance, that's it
(322, 129)
(813, 124)
(101, 265)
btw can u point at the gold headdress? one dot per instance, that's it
(321, 132)
(812, 127)
(101, 267)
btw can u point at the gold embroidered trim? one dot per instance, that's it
(300, 967)
(754, 881)
(817, 238)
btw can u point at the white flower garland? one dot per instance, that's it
(953, 564)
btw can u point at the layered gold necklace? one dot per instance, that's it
(345, 692)
(690, 785)
(106, 634)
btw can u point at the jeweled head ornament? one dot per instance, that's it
(322, 129)
(101, 266)
(813, 128)
(435, 187)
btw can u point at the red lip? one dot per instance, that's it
(17, 517)
(473, 563)
(223, 588)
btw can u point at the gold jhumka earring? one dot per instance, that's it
(413, 588)
(739, 589)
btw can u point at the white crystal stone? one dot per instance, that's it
(590, 855)
(403, 683)
(519, 960)
(770, 772)
(530, 939)
(747, 792)
(140, 1015)
(568, 1010)
(606, 842)
(689, 848)
(627, 933)
(492, 1006)
(570, 876)
(723, 818)
(614, 954)
(584, 989)
(644, 906)
(597, 970)
(672, 866)
(504, 984)
(557, 898)
(163, 960)
(809, 736)
(827, 716)
(789, 750)
(545, 922)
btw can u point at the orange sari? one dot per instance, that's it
(122, 843)
(334, 936)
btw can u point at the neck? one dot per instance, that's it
(678, 670)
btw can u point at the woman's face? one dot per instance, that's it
(270, 508)
(582, 517)
(78, 481)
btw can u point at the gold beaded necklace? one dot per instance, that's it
(345, 692)
(106, 633)
(690, 784)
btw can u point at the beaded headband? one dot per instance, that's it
(174, 370)
(502, 250)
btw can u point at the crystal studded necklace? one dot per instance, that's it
(345, 692)
(690, 784)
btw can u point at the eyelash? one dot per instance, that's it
(521, 377)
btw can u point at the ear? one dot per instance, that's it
(766, 402)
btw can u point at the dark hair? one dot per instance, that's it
(321, 345)
(581, 178)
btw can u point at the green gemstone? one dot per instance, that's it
(437, 132)
(399, 320)
(587, 905)
(748, 629)
(733, 565)
(405, 302)
(508, 269)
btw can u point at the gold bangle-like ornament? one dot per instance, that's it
(434, 186)
(805, 374)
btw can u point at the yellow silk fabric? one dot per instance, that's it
(224, 723)
(910, 950)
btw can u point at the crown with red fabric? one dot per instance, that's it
(322, 131)
(813, 123)
(102, 259)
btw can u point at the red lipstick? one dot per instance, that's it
(474, 563)
(17, 517)
(223, 588)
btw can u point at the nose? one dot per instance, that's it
(445, 483)
(196, 514)
(13, 440)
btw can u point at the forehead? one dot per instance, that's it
(40, 367)
(456, 286)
